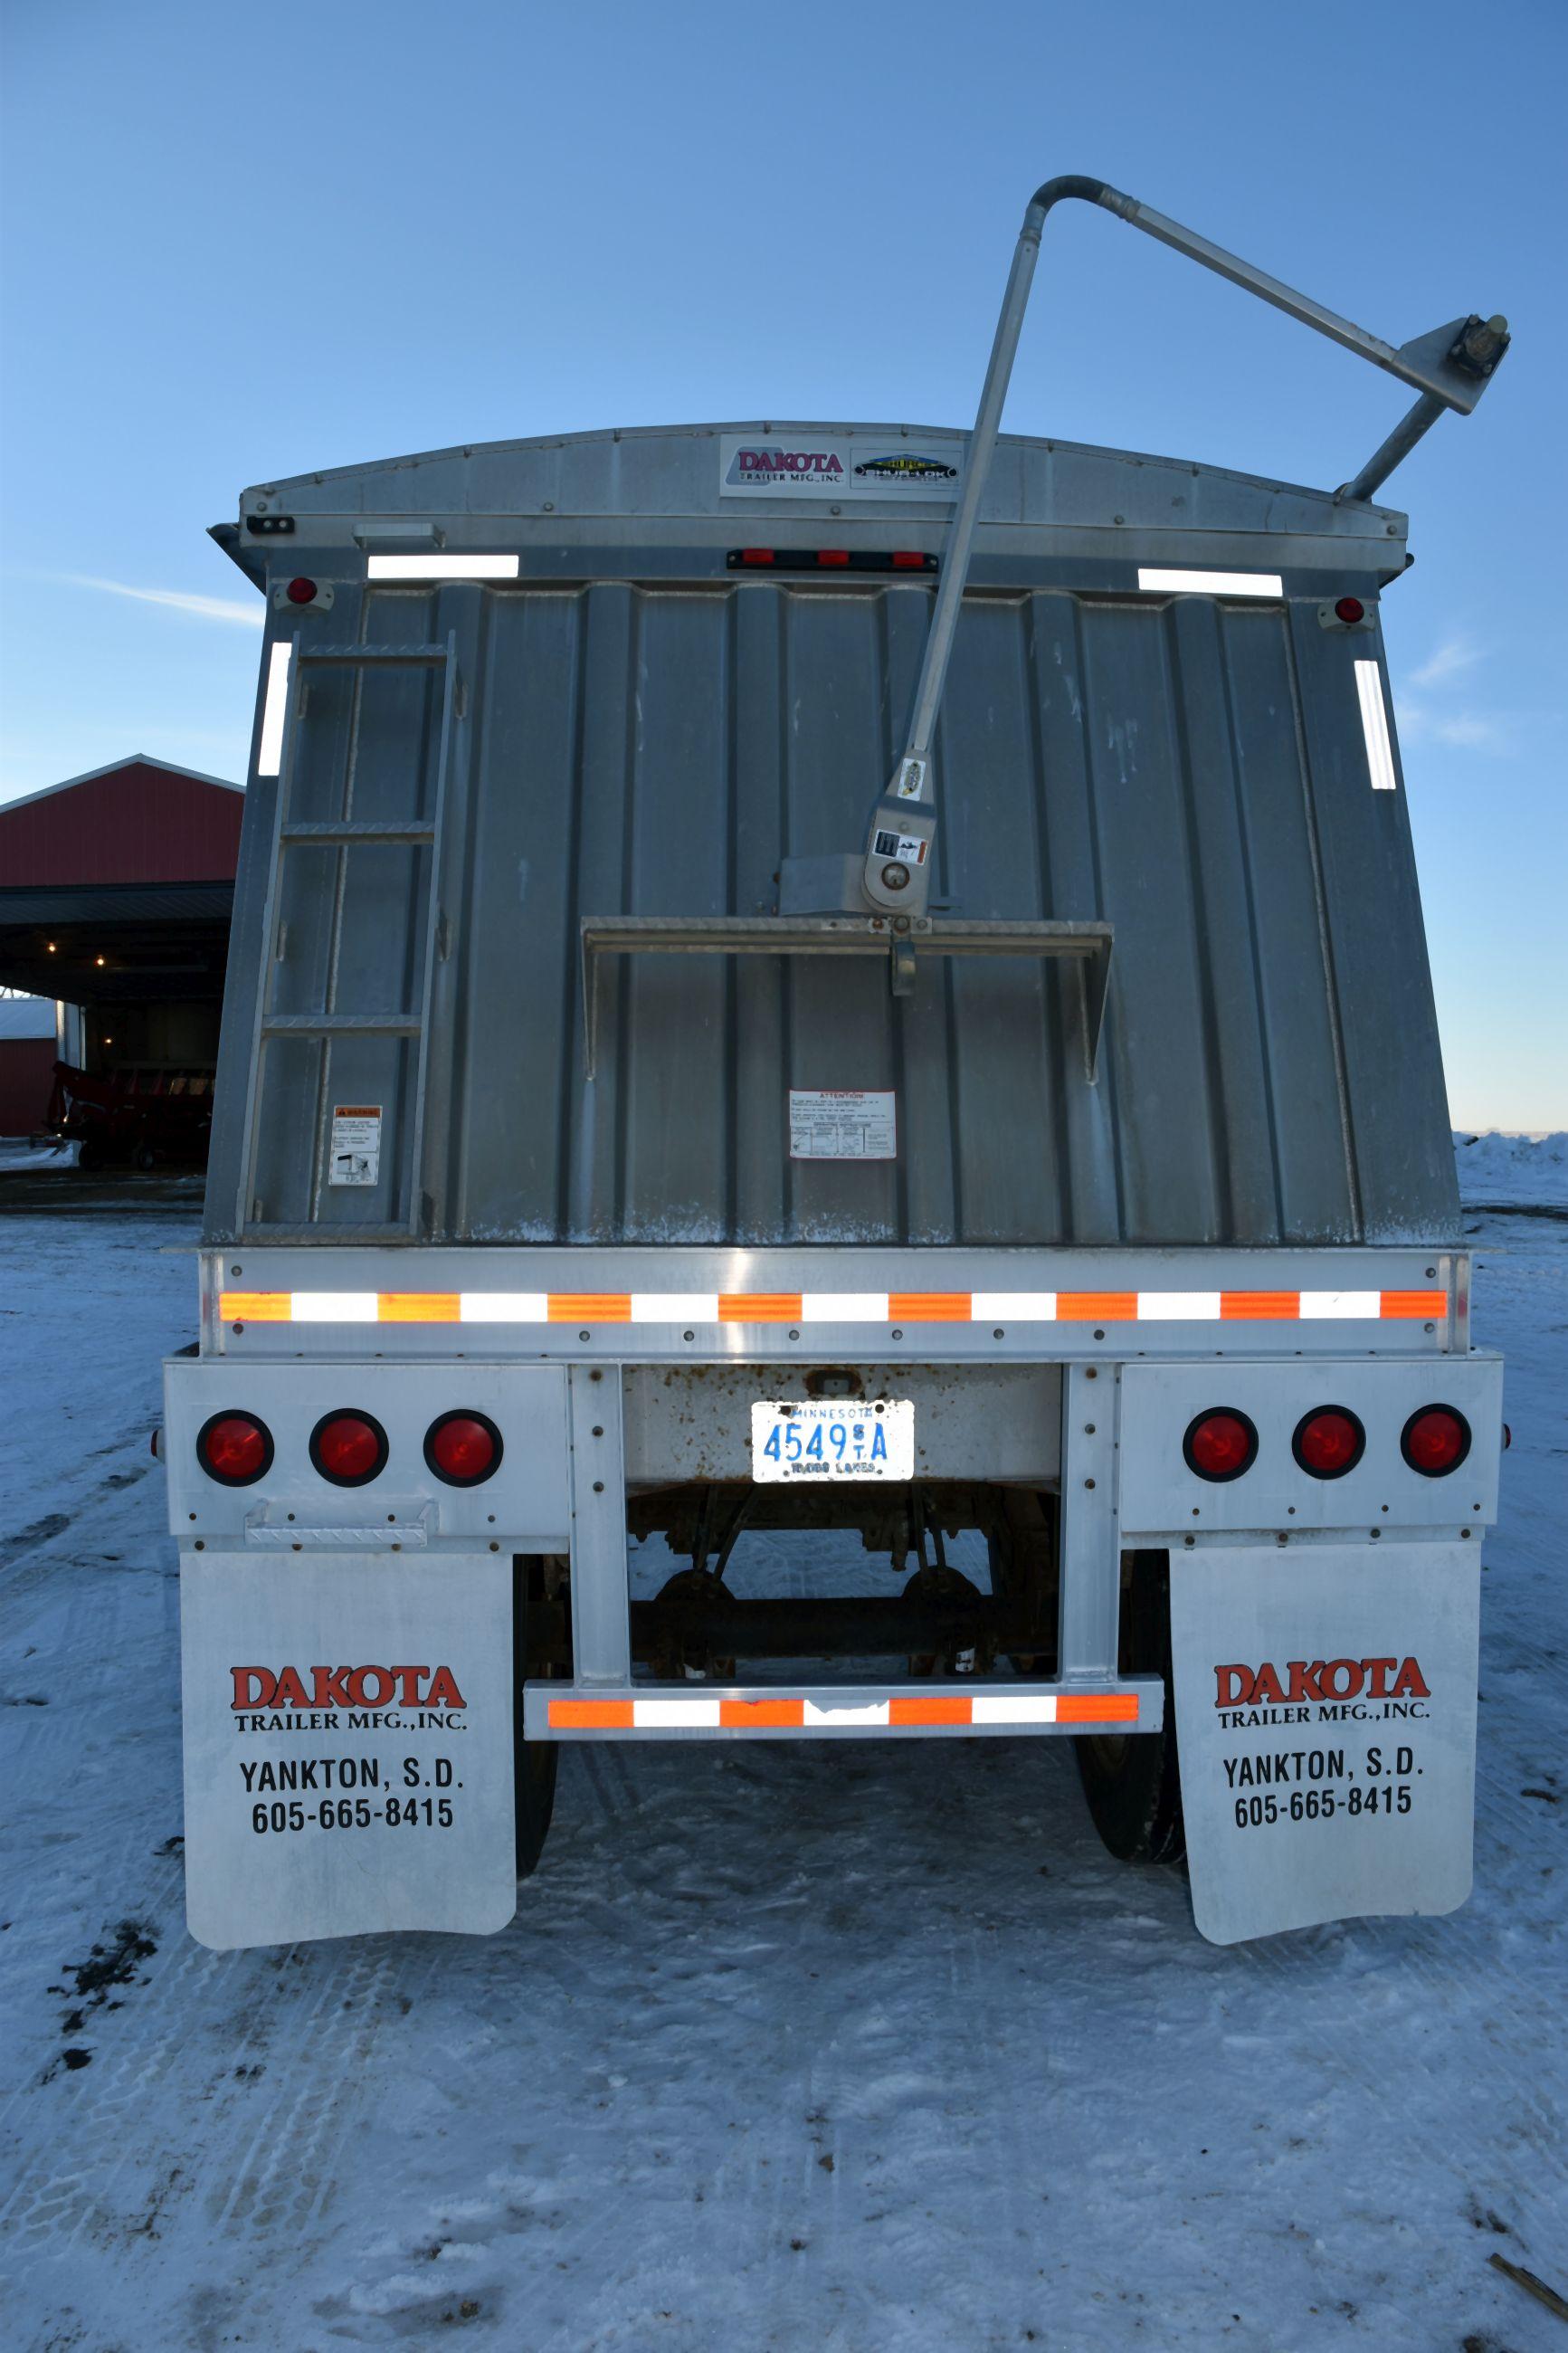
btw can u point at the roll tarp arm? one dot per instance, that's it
(1449, 367)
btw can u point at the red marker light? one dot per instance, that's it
(833, 555)
(349, 1449)
(462, 1448)
(1329, 1442)
(1220, 1445)
(1435, 1441)
(756, 555)
(1350, 609)
(906, 559)
(234, 1448)
(301, 591)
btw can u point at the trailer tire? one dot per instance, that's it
(537, 1761)
(534, 1762)
(1132, 1781)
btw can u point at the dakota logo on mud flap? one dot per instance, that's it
(370, 1691)
(1334, 1679)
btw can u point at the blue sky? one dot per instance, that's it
(242, 242)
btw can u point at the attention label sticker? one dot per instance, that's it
(841, 1123)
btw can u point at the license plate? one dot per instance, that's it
(833, 1438)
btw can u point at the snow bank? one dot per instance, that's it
(17, 1153)
(1531, 1170)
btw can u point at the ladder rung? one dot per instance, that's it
(341, 1025)
(357, 654)
(413, 835)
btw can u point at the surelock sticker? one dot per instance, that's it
(354, 1158)
(841, 1123)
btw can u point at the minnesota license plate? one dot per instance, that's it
(833, 1438)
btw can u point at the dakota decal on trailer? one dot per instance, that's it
(813, 465)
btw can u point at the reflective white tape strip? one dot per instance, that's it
(1013, 1307)
(998, 1708)
(333, 1307)
(675, 1307)
(1374, 726)
(269, 750)
(441, 568)
(503, 1307)
(1178, 1307)
(1325, 1305)
(659, 1715)
(1155, 581)
(875, 1713)
(844, 1307)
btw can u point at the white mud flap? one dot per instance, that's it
(348, 1728)
(1326, 1727)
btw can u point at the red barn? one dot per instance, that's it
(26, 1062)
(116, 890)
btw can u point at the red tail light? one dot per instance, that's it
(1436, 1440)
(1349, 610)
(463, 1449)
(234, 1448)
(1220, 1444)
(301, 591)
(1329, 1442)
(350, 1447)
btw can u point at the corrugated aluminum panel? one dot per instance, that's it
(1193, 770)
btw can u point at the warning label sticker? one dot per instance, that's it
(354, 1158)
(909, 847)
(841, 1123)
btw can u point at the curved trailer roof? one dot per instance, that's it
(663, 487)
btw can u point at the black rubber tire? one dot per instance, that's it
(534, 1782)
(534, 1762)
(1132, 1783)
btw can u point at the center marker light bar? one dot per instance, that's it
(829, 559)
(802, 1307)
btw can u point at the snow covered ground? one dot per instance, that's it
(851, 2049)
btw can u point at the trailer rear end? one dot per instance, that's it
(622, 1139)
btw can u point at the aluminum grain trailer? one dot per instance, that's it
(619, 1134)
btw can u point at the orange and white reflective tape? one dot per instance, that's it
(798, 1308)
(823, 1711)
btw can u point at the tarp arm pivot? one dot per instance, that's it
(1449, 368)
